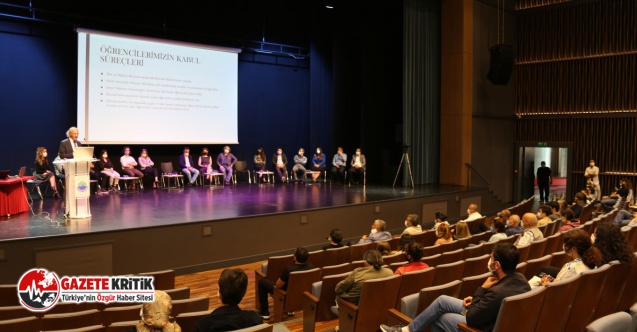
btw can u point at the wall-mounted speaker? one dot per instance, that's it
(501, 65)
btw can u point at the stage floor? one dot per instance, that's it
(160, 207)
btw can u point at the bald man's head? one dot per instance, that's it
(514, 220)
(529, 220)
(473, 208)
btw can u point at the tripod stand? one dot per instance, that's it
(405, 157)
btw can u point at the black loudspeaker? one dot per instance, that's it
(501, 64)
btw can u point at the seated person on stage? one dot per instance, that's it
(625, 186)
(267, 286)
(377, 234)
(350, 288)
(412, 225)
(531, 232)
(43, 170)
(339, 162)
(128, 165)
(479, 311)
(156, 315)
(106, 167)
(280, 162)
(358, 167)
(233, 284)
(514, 226)
(68, 145)
(147, 166)
(335, 238)
(414, 254)
(226, 161)
(186, 163)
(318, 163)
(259, 164)
(299, 166)
(205, 163)
(444, 234)
(568, 221)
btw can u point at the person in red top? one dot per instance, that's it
(413, 251)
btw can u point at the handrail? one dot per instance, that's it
(478, 174)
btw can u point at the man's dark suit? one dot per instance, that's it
(66, 148)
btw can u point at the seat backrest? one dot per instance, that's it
(200, 303)
(471, 252)
(450, 246)
(471, 284)
(431, 250)
(550, 229)
(559, 259)
(395, 258)
(558, 304)
(240, 165)
(451, 256)
(508, 239)
(377, 296)
(276, 265)
(393, 243)
(163, 279)
(258, 328)
(336, 256)
(335, 269)
(542, 229)
(626, 232)
(178, 293)
(356, 264)
(521, 267)
(537, 249)
(476, 265)
(20, 324)
(316, 258)
(524, 252)
(188, 321)
(412, 282)
(448, 272)
(619, 321)
(514, 314)
(426, 238)
(327, 296)
(8, 295)
(72, 320)
(299, 282)
(551, 244)
(67, 307)
(15, 311)
(613, 288)
(120, 314)
(166, 167)
(629, 295)
(632, 240)
(533, 266)
(429, 294)
(587, 211)
(432, 260)
(588, 293)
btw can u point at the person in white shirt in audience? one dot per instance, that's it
(543, 213)
(299, 166)
(146, 164)
(128, 165)
(514, 226)
(358, 166)
(498, 225)
(531, 232)
(592, 173)
(473, 213)
(412, 225)
(377, 234)
(440, 218)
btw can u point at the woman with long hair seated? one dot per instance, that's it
(43, 170)
(443, 233)
(462, 231)
(612, 244)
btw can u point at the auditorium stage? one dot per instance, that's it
(197, 228)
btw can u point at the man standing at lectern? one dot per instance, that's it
(67, 146)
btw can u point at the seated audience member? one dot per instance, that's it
(412, 225)
(498, 225)
(280, 162)
(480, 310)
(233, 284)
(580, 201)
(568, 222)
(414, 254)
(440, 217)
(462, 231)
(147, 166)
(444, 234)
(267, 286)
(612, 244)
(259, 164)
(505, 215)
(405, 239)
(625, 218)
(318, 163)
(43, 170)
(590, 193)
(377, 234)
(625, 186)
(358, 166)
(543, 213)
(156, 315)
(562, 204)
(335, 238)
(128, 165)
(531, 232)
(226, 161)
(339, 163)
(578, 246)
(205, 163)
(486, 226)
(383, 248)
(186, 163)
(299, 166)
(555, 211)
(473, 213)
(351, 287)
(106, 167)
(514, 226)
